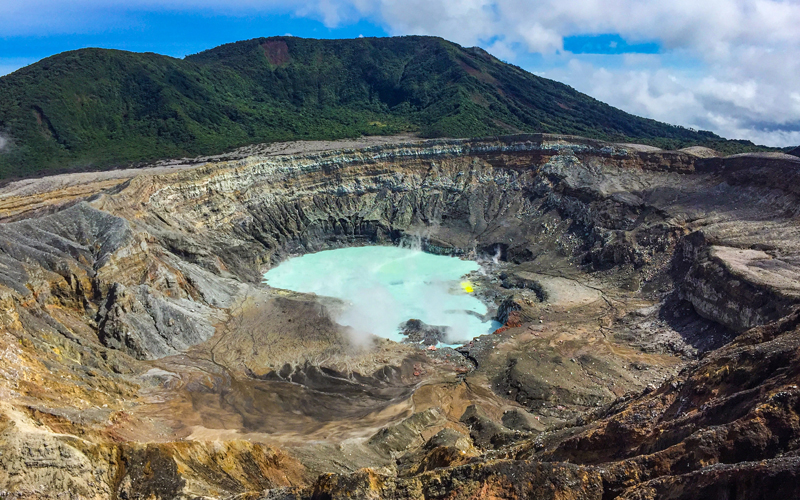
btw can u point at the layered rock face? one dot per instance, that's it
(143, 358)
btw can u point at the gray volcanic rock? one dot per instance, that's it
(417, 331)
(484, 431)
(512, 282)
(518, 419)
(449, 438)
(149, 325)
(740, 288)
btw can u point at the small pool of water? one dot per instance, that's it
(386, 286)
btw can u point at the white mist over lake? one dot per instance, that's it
(386, 286)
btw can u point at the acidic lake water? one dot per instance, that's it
(386, 286)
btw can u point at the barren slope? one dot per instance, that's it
(143, 358)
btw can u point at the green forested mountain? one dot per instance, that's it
(99, 108)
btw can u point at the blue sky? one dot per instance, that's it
(178, 34)
(175, 34)
(730, 66)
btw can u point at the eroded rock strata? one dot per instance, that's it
(649, 347)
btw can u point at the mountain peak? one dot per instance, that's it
(99, 108)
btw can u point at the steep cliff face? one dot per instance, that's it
(624, 207)
(133, 313)
(456, 195)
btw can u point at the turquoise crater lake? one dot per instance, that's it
(386, 286)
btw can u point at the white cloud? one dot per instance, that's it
(755, 109)
(502, 51)
(745, 54)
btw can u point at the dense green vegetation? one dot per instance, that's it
(95, 108)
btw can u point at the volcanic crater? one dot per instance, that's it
(649, 342)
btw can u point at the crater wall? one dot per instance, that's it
(146, 291)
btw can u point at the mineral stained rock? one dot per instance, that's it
(649, 348)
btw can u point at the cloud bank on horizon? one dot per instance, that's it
(730, 66)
